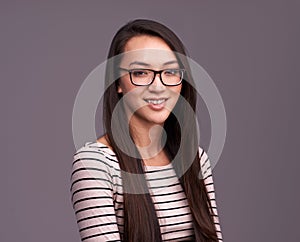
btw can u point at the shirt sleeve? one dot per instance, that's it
(92, 196)
(209, 184)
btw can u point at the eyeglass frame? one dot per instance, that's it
(155, 73)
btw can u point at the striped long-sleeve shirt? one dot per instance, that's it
(97, 196)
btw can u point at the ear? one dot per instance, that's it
(119, 89)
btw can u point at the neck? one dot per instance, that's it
(148, 138)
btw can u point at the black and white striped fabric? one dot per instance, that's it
(97, 196)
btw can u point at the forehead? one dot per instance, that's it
(150, 50)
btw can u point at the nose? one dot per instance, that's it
(157, 85)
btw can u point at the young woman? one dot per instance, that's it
(140, 181)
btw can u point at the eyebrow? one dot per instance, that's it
(170, 62)
(146, 64)
(139, 63)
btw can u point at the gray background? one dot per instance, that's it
(249, 48)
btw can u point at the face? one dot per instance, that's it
(148, 104)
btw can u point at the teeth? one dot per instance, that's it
(155, 101)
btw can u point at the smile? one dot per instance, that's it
(155, 101)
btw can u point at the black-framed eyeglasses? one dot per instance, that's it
(145, 77)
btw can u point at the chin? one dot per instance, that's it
(151, 117)
(160, 119)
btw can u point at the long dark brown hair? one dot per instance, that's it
(140, 220)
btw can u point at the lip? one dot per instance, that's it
(156, 106)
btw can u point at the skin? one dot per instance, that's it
(146, 122)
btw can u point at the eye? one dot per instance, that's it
(139, 73)
(172, 72)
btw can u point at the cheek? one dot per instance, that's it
(179, 89)
(125, 85)
(176, 90)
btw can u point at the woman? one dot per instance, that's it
(140, 181)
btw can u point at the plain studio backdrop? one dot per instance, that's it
(249, 48)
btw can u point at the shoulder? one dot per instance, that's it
(205, 163)
(96, 154)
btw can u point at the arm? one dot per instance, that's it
(92, 197)
(209, 184)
